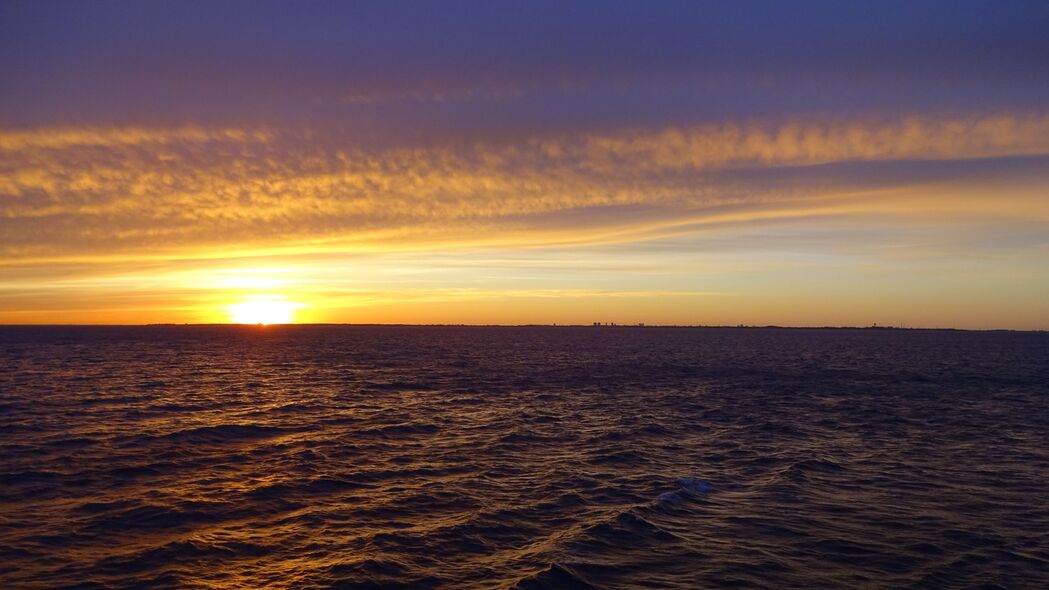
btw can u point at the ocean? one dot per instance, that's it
(527, 457)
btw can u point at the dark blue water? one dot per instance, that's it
(400, 457)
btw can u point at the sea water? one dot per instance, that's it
(532, 457)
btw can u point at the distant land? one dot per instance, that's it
(595, 326)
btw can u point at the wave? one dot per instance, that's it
(687, 487)
(336, 457)
(400, 430)
(555, 577)
(154, 518)
(176, 553)
(217, 434)
(322, 486)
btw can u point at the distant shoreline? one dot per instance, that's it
(550, 326)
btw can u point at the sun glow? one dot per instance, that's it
(263, 311)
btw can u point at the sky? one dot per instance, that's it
(717, 163)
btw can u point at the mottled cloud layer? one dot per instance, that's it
(74, 192)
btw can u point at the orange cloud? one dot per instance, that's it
(117, 192)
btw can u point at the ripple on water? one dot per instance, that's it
(528, 458)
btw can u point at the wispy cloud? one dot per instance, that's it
(95, 191)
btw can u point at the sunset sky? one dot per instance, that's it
(810, 163)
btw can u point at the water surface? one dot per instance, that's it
(412, 457)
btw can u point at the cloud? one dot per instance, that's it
(130, 191)
(92, 137)
(159, 62)
(805, 143)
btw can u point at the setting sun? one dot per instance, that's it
(263, 311)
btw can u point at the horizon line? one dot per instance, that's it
(531, 325)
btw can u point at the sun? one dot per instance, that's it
(263, 311)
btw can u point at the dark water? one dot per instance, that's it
(356, 457)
